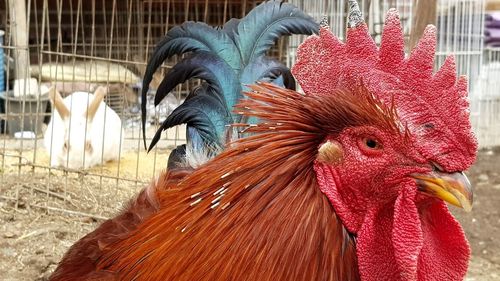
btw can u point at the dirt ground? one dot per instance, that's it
(36, 233)
(482, 225)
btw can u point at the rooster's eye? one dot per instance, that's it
(371, 143)
(370, 146)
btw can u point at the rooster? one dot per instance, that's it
(225, 59)
(345, 182)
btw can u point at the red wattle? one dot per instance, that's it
(391, 240)
(446, 252)
(407, 236)
(407, 239)
(425, 242)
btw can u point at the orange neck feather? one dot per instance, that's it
(272, 221)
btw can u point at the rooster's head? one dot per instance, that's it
(389, 180)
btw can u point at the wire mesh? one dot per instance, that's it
(78, 45)
(486, 91)
(486, 99)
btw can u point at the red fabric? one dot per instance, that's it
(408, 237)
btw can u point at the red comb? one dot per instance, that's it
(433, 106)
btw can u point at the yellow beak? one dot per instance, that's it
(453, 188)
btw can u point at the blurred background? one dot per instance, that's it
(77, 45)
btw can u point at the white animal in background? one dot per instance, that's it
(83, 131)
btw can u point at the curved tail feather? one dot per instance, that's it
(225, 59)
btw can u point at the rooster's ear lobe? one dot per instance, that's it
(330, 152)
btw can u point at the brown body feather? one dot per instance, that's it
(255, 212)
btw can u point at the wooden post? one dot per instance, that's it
(19, 38)
(424, 13)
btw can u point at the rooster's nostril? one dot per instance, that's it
(437, 167)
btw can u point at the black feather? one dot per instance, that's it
(202, 111)
(225, 59)
(188, 37)
(208, 67)
(176, 157)
(259, 30)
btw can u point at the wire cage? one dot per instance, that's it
(486, 108)
(486, 103)
(79, 45)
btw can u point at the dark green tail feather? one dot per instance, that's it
(203, 111)
(206, 66)
(225, 59)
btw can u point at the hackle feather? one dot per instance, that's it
(254, 212)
